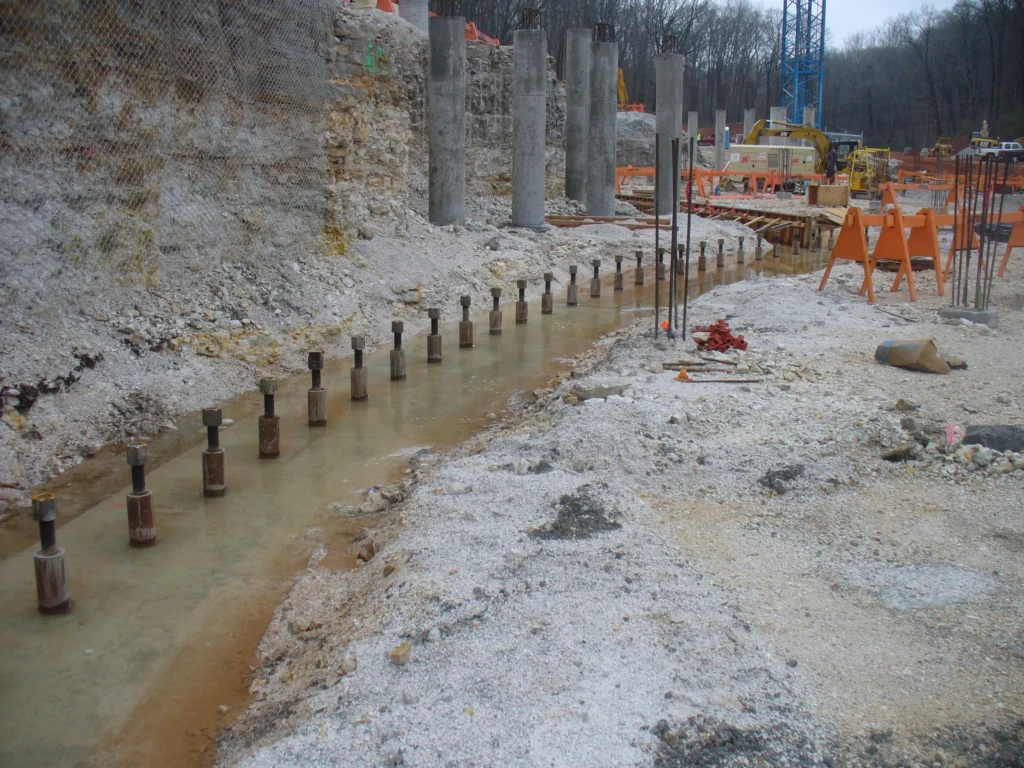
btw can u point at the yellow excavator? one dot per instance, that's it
(624, 105)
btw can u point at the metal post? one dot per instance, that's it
(269, 422)
(434, 339)
(496, 312)
(466, 325)
(316, 397)
(52, 595)
(359, 377)
(214, 476)
(141, 519)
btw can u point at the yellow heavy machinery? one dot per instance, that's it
(943, 147)
(868, 170)
(624, 105)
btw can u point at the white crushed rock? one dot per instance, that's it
(839, 619)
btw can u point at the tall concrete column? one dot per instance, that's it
(777, 115)
(529, 119)
(604, 82)
(692, 125)
(811, 116)
(669, 111)
(749, 119)
(415, 12)
(577, 111)
(446, 104)
(719, 139)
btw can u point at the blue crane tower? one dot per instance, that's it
(803, 57)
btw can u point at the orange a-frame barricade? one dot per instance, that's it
(891, 246)
(963, 240)
(924, 241)
(852, 245)
(1016, 241)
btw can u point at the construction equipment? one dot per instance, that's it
(868, 170)
(769, 128)
(943, 147)
(980, 142)
(624, 105)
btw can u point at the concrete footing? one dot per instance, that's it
(572, 297)
(595, 281)
(316, 396)
(740, 256)
(547, 301)
(618, 273)
(638, 274)
(720, 262)
(702, 262)
(269, 422)
(661, 270)
(987, 317)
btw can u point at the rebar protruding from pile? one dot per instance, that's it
(397, 354)
(360, 379)
(740, 256)
(52, 596)
(521, 306)
(573, 291)
(141, 519)
(214, 476)
(495, 318)
(595, 281)
(434, 339)
(702, 262)
(547, 301)
(638, 276)
(316, 397)
(466, 325)
(604, 32)
(529, 18)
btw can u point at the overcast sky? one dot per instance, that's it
(845, 17)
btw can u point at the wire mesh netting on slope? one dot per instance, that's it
(131, 129)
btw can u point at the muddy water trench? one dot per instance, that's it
(159, 639)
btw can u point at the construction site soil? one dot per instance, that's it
(635, 570)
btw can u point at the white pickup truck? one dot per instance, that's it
(1011, 149)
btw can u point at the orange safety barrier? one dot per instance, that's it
(924, 241)
(1016, 241)
(852, 245)
(891, 246)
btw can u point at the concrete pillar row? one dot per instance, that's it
(529, 121)
(777, 115)
(604, 82)
(669, 110)
(446, 105)
(577, 112)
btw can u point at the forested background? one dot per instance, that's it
(917, 76)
